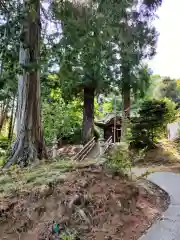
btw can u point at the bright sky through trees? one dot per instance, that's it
(167, 60)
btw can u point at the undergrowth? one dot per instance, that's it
(166, 153)
(16, 179)
(119, 158)
(67, 236)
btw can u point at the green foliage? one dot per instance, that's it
(85, 51)
(171, 111)
(168, 88)
(151, 122)
(67, 236)
(4, 142)
(109, 104)
(9, 47)
(119, 158)
(100, 35)
(2, 159)
(61, 119)
(101, 46)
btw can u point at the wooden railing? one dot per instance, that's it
(107, 144)
(80, 156)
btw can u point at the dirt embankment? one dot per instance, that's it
(91, 204)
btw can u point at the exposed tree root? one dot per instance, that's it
(24, 152)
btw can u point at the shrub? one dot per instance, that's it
(2, 161)
(170, 115)
(119, 158)
(75, 136)
(151, 122)
(4, 142)
(65, 236)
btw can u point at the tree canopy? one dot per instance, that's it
(72, 51)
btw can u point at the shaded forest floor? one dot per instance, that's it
(83, 201)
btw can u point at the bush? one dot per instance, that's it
(62, 120)
(65, 236)
(119, 158)
(75, 136)
(170, 115)
(151, 122)
(2, 161)
(72, 137)
(4, 143)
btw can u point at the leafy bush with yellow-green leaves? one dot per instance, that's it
(65, 236)
(119, 158)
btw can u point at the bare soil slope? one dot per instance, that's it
(89, 204)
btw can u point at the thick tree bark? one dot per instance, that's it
(29, 144)
(88, 114)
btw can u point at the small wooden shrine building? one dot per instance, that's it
(110, 123)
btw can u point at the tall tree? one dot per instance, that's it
(9, 26)
(87, 52)
(29, 143)
(139, 44)
(136, 43)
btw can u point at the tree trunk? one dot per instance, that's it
(29, 144)
(2, 119)
(10, 132)
(126, 102)
(88, 114)
(4, 112)
(15, 116)
(126, 97)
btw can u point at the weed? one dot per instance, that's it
(67, 236)
(62, 164)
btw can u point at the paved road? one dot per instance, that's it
(168, 227)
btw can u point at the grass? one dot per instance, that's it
(35, 176)
(16, 179)
(1, 161)
(165, 158)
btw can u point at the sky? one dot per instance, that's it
(167, 60)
